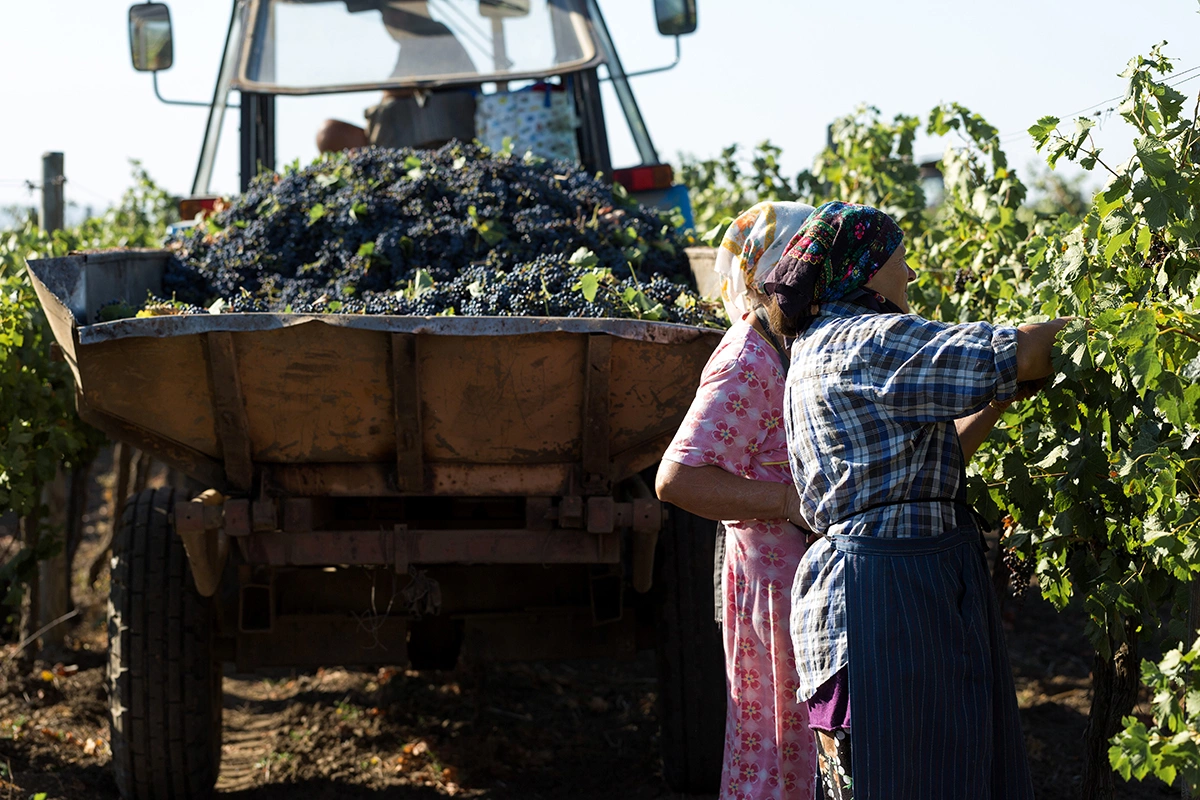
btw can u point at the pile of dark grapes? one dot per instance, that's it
(457, 230)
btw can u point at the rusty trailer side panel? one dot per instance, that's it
(373, 406)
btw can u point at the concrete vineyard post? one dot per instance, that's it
(52, 212)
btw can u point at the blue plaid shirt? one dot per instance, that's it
(870, 406)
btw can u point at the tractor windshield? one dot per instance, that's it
(317, 46)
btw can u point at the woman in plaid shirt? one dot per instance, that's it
(893, 614)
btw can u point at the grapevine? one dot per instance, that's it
(1100, 473)
(39, 430)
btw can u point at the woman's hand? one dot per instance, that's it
(791, 512)
(1035, 344)
(1025, 390)
(791, 506)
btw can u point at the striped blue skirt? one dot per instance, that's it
(933, 707)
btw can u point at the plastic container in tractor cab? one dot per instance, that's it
(492, 472)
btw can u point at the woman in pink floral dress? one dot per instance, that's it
(729, 461)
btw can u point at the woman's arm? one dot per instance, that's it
(973, 430)
(714, 493)
(928, 371)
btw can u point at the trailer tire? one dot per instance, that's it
(690, 655)
(164, 686)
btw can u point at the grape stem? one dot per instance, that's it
(1034, 477)
(1092, 152)
(1181, 332)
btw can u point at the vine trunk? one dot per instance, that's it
(1115, 682)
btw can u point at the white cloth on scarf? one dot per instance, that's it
(752, 245)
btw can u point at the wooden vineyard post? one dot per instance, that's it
(54, 581)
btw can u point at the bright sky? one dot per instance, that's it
(754, 70)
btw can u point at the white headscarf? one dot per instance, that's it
(753, 245)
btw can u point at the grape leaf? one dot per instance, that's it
(1042, 130)
(1156, 161)
(1145, 366)
(588, 284)
(1154, 205)
(1116, 242)
(583, 257)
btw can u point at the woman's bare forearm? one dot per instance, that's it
(974, 430)
(714, 493)
(1035, 346)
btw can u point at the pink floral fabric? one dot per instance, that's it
(736, 423)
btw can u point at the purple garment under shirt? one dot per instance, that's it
(829, 707)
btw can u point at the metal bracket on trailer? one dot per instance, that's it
(406, 407)
(646, 523)
(597, 466)
(233, 428)
(200, 524)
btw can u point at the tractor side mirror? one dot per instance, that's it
(150, 37)
(675, 17)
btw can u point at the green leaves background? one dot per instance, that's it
(39, 431)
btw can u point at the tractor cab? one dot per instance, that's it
(519, 74)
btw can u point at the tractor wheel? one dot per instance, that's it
(164, 686)
(691, 658)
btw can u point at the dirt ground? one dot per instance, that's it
(584, 730)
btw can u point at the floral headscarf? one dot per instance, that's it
(752, 246)
(837, 250)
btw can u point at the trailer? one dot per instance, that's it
(375, 490)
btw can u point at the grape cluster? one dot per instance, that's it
(1021, 569)
(1157, 252)
(161, 307)
(154, 306)
(960, 279)
(457, 230)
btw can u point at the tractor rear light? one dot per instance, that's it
(643, 179)
(189, 207)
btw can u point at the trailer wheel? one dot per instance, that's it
(691, 659)
(164, 687)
